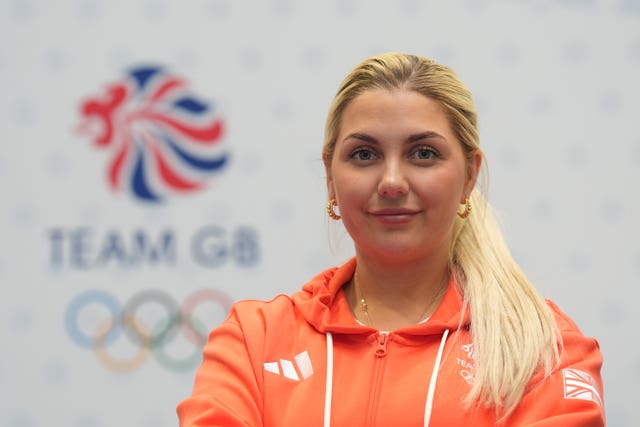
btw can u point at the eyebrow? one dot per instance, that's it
(412, 138)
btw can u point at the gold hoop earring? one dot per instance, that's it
(332, 214)
(467, 209)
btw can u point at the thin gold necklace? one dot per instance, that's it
(362, 302)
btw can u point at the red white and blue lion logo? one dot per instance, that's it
(162, 139)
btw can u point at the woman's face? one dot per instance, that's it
(399, 174)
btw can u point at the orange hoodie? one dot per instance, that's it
(305, 361)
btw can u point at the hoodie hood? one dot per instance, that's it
(324, 306)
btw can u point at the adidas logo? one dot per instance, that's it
(300, 367)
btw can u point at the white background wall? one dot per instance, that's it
(557, 87)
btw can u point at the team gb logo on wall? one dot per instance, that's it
(162, 138)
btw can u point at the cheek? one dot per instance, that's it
(349, 189)
(438, 200)
(442, 191)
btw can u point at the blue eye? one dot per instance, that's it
(425, 153)
(363, 155)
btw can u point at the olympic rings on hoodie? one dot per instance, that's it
(150, 338)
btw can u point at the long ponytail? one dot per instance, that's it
(513, 330)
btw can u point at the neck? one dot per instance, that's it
(397, 296)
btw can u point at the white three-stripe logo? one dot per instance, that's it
(288, 368)
(579, 385)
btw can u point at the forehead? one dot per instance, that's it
(401, 110)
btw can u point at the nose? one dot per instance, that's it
(393, 182)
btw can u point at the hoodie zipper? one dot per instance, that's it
(380, 355)
(381, 350)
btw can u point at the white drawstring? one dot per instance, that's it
(434, 378)
(329, 381)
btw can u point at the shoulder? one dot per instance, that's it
(256, 325)
(571, 392)
(256, 312)
(311, 307)
(563, 321)
(574, 345)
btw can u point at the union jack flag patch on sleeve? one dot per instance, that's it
(579, 385)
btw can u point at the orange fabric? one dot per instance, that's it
(255, 370)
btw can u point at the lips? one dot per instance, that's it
(394, 215)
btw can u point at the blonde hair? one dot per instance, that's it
(513, 330)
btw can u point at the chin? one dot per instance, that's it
(399, 253)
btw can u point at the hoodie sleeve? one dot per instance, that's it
(226, 392)
(572, 395)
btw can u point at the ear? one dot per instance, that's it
(475, 163)
(331, 193)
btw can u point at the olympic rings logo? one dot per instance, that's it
(132, 320)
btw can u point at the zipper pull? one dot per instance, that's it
(381, 350)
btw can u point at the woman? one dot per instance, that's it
(433, 322)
